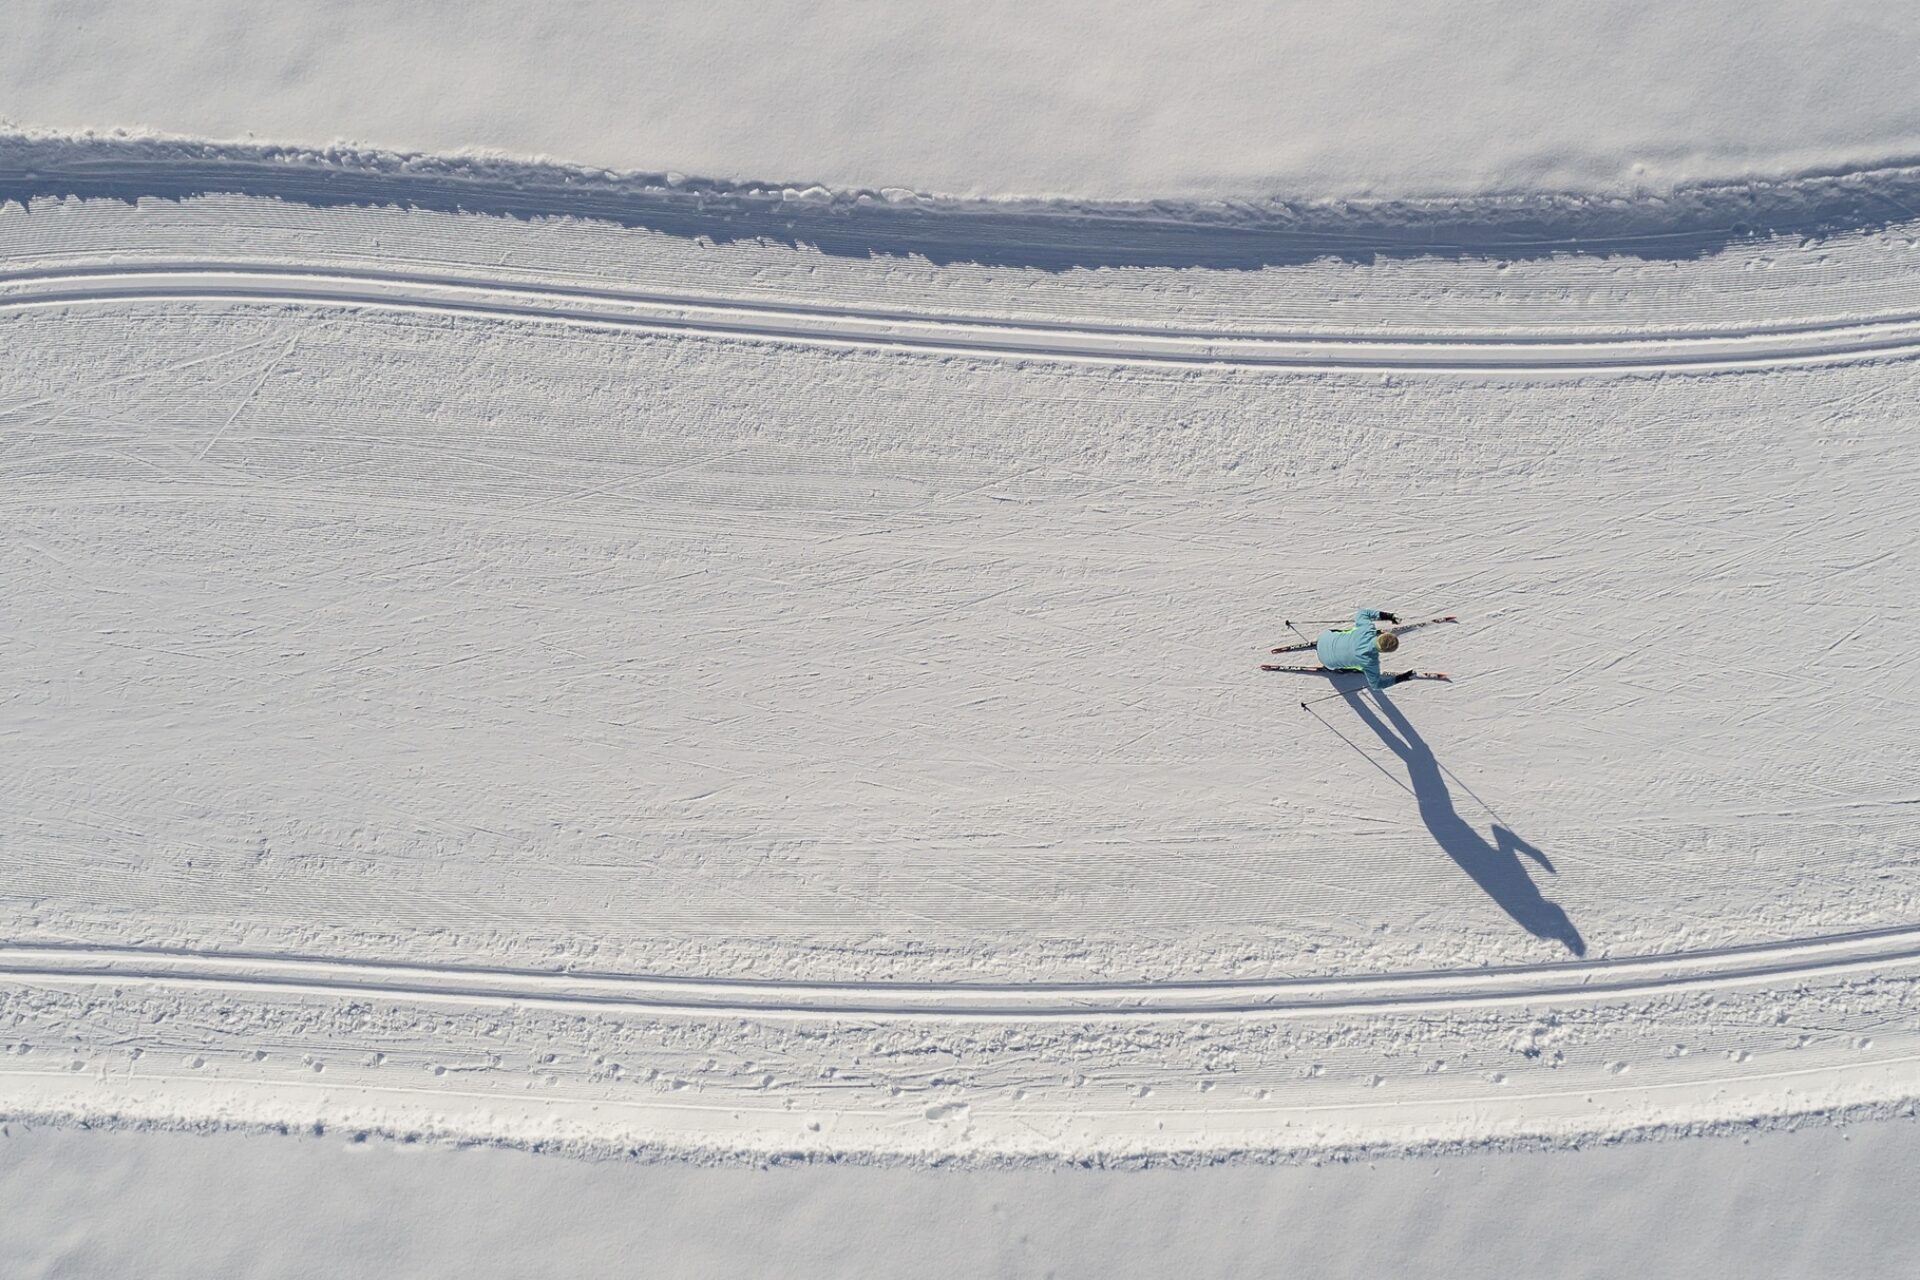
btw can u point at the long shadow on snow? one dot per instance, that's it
(1493, 865)
(1224, 236)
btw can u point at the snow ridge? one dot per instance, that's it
(1685, 223)
(1637, 976)
(1746, 345)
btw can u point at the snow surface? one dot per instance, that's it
(594, 687)
(1181, 99)
(734, 662)
(1819, 1201)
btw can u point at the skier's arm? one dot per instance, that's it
(1363, 618)
(1370, 667)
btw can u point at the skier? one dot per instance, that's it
(1358, 648)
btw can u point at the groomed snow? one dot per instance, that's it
(576, 686)
(1186, 100)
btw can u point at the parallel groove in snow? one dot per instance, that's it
(1762, 346)
(1385, 993)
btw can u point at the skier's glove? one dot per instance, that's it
(1403, 676)
(1389, 617)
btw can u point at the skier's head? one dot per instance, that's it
(1388, 641)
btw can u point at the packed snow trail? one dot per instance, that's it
(1756, 346)
(1871, 951)
(407, 600)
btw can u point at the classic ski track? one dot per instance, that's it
(1754, 346)
(1822, 957)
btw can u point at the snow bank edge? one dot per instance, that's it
(1836, 1096)
(1049, 234)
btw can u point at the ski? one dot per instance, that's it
(1397, 630)
(1329, 671)
(1415, 626)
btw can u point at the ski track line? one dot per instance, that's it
(1751, 347)
(1824, 957)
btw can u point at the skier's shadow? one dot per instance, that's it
(1495, 866)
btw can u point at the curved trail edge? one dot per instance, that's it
(1513, 352)
(1302, 997)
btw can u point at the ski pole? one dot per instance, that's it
(1297, 631)
(1476, 798)
(1364, 756)
(1324, 697)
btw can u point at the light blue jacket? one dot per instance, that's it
(1355, 649)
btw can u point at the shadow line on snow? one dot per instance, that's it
(1495, 865)
(1049, 236)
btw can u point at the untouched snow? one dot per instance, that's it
(1818, 1202)
(1181, 100)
